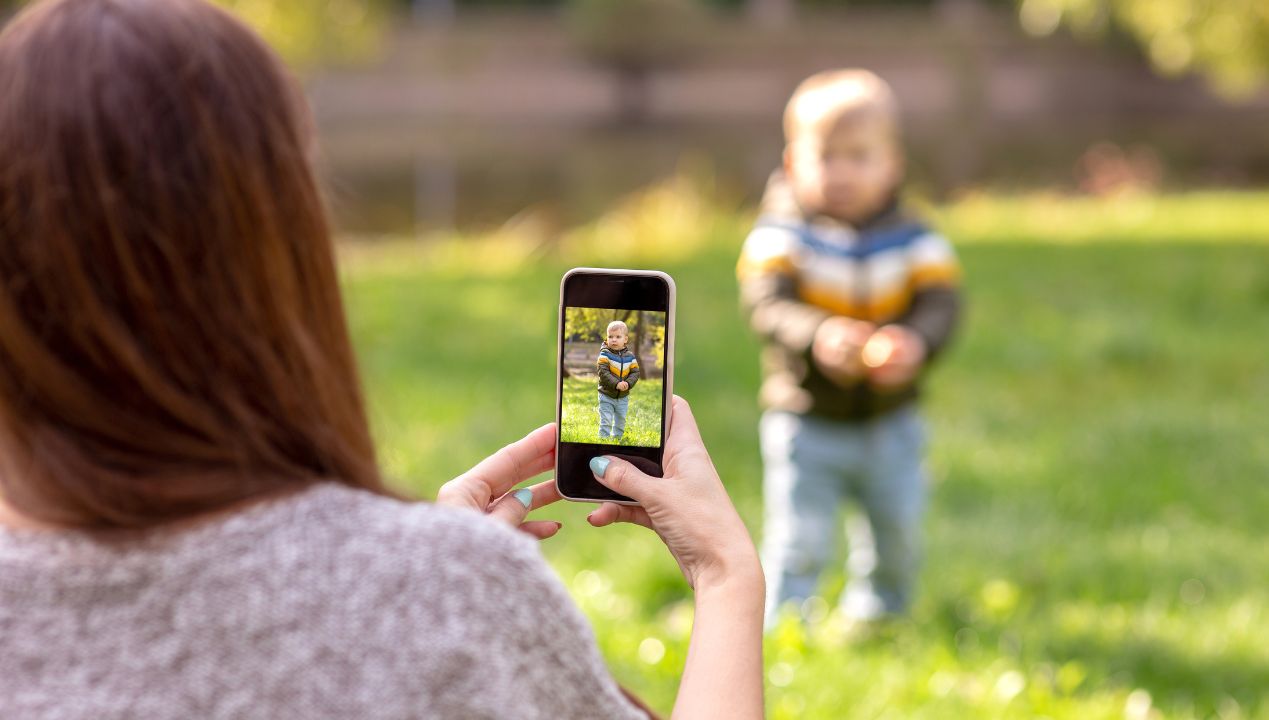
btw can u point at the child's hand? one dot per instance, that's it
(623, 385)
(893, 356)
(837, 346)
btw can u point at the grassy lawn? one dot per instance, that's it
(580, 415)
(1095, 544)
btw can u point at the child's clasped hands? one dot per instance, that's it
(848, 351)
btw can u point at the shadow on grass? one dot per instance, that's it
(1173, 676)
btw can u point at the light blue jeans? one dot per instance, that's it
(811, 466)
(612, 416)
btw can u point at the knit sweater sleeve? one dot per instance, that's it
(607, 380)
(331, 603)
(633, 377)
(524, 648)
(934, 314)
(768, 290)
(936, 303)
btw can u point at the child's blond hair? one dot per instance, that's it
(833, 95)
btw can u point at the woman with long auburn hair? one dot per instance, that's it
(192, 521)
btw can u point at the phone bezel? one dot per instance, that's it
(668, 373)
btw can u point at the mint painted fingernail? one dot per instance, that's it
(599, 465)
(525, 496)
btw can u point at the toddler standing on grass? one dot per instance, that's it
(618, 373)
(853, 297)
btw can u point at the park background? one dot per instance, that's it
(585, 330)
(1095, 543)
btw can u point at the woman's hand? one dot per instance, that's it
(688, 508)
(691, 512)
(487, 487)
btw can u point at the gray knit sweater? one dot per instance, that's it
(328, 603)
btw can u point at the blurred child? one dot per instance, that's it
(618, 372)
(853, 297)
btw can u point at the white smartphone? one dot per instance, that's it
(614, 375)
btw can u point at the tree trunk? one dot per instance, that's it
(771, 13)
(438, 13)
(634, 94)
(639, 338)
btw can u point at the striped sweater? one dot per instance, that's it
(796, 270)
(616, 366)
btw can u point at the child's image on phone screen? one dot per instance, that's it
(613, 370)
(614, 373)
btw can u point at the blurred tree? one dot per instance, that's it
(652, 337)
(635, 38)
(436, 12)
(1226, 40)
(588, 324)
(771, 13)
(647, 328)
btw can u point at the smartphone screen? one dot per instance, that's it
(614, 372)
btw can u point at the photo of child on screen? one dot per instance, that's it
(612, 376)
(618, 372)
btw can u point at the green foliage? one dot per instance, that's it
(305, 31)
(580, 421)
(588, 323)
(1228, 40)
(1093, 542)
(647, 329)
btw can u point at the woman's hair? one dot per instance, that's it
(172, 339)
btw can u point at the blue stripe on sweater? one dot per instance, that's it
(870, 243)
(616, 358)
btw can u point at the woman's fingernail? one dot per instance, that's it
(599, 465)
(525, 496)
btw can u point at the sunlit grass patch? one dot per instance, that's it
(1098, 461)
(580, 413)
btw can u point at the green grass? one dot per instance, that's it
(1095, 542)
(579, 420)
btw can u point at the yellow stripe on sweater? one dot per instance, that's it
(831, 301)
(930, 275)
(616, 369)
(749, 267)
(883, 308)
(889, 306)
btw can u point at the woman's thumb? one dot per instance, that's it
(619, 476)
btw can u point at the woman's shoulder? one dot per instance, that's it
(425, 565)
(347, 535)
(442, 608)
(485, 610)
(426, 535)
